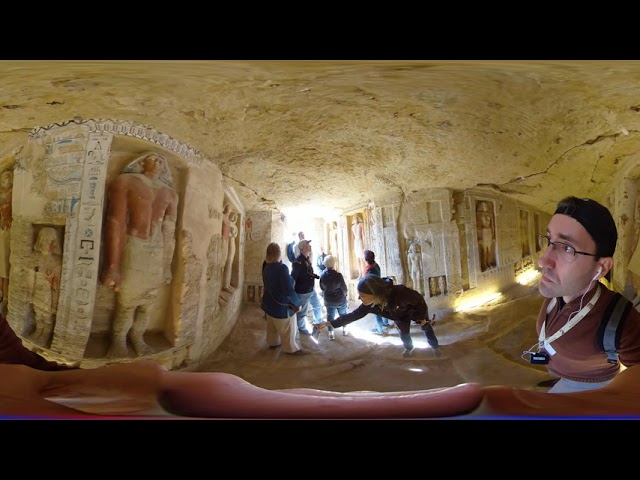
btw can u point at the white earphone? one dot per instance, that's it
(597, 274)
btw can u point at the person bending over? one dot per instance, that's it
(395, 302)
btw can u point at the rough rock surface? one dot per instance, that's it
(332, 133)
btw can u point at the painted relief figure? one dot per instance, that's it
(333, 244)
(6, 192)
(441, 286)
(357, 229)
(414, 258)
(524, 233)
(231, 254)
(536, 229)
(248, 229)
(433, 287)
(44, 283)
(486, 235)
(140, 240)
(226, 233)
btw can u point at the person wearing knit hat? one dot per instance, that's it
(577, 251)
(395, 302)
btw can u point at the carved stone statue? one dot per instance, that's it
(414, 259)
(226, 233)
(231, 254)
(486, 236)
(333, 244)
(6, 193)
(357, 229)
(140, 237)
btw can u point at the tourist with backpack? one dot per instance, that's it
(573, 322)
(335, 291)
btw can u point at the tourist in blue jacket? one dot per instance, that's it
(280, 302)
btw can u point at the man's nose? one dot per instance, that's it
(546, 259)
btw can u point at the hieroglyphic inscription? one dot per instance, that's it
(87, 251)
(83, 240)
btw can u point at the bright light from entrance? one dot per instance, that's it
(528, 277)
(476, 301)
(393, 338)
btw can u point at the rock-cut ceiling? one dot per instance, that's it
(333, 134)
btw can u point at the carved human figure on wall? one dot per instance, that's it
(333, 244)
(231, 254)
(524, 233)
(357, 229)
(248, 229)
(6, 194)
(44, 283)
(433, 287)
(140, 241)
(225, 233)
(441, 286)
(414, 259)
(486, 235)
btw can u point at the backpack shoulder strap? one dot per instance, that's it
(611, 326)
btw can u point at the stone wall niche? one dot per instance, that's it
(110, 240)
(430, 245)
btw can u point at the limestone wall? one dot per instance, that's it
(446, 244)
(62, 230)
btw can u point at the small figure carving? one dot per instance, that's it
(248, 229)
(45, 284)
(231, 254)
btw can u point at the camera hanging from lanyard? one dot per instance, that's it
(539, 358)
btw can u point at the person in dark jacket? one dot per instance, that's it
(279, 302)
(395, 302)
(13, 352)
(334, 290)
(382, 324)
(304, 284)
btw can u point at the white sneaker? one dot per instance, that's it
(344, 331)
(408, 351)
(332, 335)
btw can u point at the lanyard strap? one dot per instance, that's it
(543, 342)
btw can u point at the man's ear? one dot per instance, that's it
(607, 264)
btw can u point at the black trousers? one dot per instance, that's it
(405, 334)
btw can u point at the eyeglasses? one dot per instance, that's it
(565, 251)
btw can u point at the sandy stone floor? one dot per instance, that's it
(482, 345)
